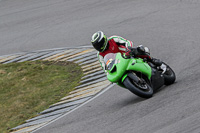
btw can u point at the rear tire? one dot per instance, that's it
(135, 88)
(169, 76)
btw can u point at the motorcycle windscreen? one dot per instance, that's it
(109, 60)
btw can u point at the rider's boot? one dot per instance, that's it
(156, 62)
(159, 64)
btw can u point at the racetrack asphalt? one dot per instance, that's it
(170, 28)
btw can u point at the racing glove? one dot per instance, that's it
(130, 52)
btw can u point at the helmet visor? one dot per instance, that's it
(103, 43)
(101, 46)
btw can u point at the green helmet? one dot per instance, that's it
(99, 41)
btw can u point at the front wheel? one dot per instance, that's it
(139, 88)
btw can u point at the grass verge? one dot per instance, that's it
(30, 87)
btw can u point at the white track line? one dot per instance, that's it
(75, 108)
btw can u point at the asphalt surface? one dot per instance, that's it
(170, 28)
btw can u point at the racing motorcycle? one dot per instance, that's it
(136, 75)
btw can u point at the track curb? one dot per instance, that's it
(90, 86)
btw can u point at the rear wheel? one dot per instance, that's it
(138, 86)
(169, 76)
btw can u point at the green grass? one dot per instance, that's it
(30, 87)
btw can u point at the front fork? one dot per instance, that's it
(132, 76)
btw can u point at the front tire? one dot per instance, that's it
(144, 90)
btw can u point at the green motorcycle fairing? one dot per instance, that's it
(119, 66)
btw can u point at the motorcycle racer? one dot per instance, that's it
(115, 44)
